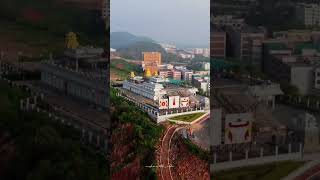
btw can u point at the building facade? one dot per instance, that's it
(246, 43)
(308, 14)
(146, 89)
(228, 20)
(75, 84)
(298, 70)
(218, 43)
(151, 61)
(202, 83)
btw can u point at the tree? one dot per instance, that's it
(289, 89)
(200, 91)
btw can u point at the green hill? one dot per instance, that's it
(121, 68)
(134, 51)
(125, 39)
(130, 46)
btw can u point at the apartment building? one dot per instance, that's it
(186, 75)
(151, 61)
(218, 43)
(295, 36)
(80, 74)
(228, 20)
(308, 14)
(201, 82)
(170, 73)
(301, 70)
(246, 43)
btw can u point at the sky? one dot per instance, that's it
(179, 22)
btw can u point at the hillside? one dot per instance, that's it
(134, 51)
(42, 25)
(120, 69)
(130, 46)
(32, 146)
(134, 139)
(125, 39)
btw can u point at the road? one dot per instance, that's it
(165, 163)
(201, 133)
(311, 174)
(309, 171)
(164, 158)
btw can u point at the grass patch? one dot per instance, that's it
(273, 171)
(188, 117)
(194, 149)
(122, 68)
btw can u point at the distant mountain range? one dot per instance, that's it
(125, 39)
(135, 50)
(131, 47)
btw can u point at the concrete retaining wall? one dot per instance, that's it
(189, 123)
(255, 161)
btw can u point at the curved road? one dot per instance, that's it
(311, 174)
(165, 169)
(164, 157)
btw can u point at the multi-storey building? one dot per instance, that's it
(151, 61)
(298, 36)
(202, 83)
(186, 75)
(176, 74)
(218, 43)
(170, 73)
(80, 74)
(300, 70)
(148, 90)
(185, 55)
(308, 14)
(206, 66)
(165, 73)
(151, 57)
(155, 91)
(198, 51)
(246, 42)
(201, 51)
(228, 20)
(206, 52)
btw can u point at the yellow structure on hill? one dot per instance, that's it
(71, 40)
(148, 73)
(132, 75)
(151, 61)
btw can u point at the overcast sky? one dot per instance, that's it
(182, 22)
